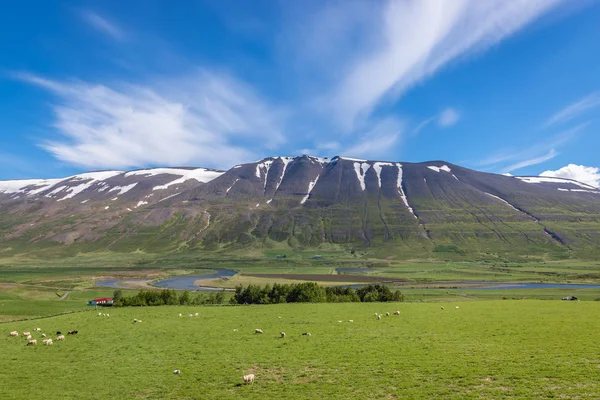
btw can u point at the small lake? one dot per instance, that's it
(179, 282)
(187, 282)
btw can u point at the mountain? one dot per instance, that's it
(390, 209)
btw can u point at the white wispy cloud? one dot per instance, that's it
(536, 151)
(103, 25)
(581, 173)
(207, 118)
(360, 57)
(379, 141)
(532, 161)
(448, 117)
(422, 125)
(575, 109)
(416, 38)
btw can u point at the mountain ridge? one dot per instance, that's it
(428, 209)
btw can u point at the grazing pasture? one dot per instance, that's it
(488, 349)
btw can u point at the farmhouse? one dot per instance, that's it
(104, 302)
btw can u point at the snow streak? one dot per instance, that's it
(229, 188)
(310, 188)
(401, 192)
(361, 170)
(504, 201)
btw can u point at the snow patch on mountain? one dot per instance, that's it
(504, 201)
(27, 186)
(547, 179)
(229, 188)
(401, 191)
(320, 160)
(378, 166)
(91, 179)
(352, 159)
(168, 197)
(286, 161)
(263, 166)
(202, 175)
(438, 169)
(361, 170)
(123, 189)
(310, 188)
(579, 190)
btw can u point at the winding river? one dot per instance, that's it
(186, 282)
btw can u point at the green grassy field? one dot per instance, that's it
(490, 349)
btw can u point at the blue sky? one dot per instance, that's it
(506, 87)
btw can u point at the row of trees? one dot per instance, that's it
(310, 292)
(167, 297)
(307, 292)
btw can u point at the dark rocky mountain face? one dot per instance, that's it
(403, 210)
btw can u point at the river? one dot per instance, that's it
(185, 282)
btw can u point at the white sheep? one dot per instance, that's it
(26, 333)
(99, 314)
(191, 315)
(378, 316)
(60, 337)
(43, 335)
(235, 330)
(396, 312)
(248, 378)
(387, 314)
(258, 331)
(340, 321)
(282, 335)
(29, 337)
(37, 329)
(195, 315)
(32, 342)
(47, 342)
(350, 320)
(442, 307)
(176, 372)
(108, 315)
(180, 315)
(13, 333)
(306, 334)
(457, 307)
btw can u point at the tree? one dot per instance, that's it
(220, 297)
(117, 295)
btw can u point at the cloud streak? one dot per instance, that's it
(532, 152)
(103, 25)
(417, 39)
(364, 56)
(574, 110)
(533, 161)
(378, 141)
(208, 118)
